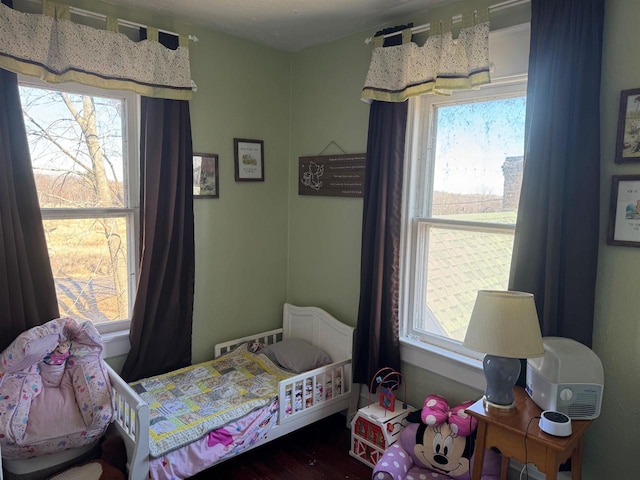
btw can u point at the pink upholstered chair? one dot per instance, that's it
(54, 405)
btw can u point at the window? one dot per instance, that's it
(461, 201)
(83, 152)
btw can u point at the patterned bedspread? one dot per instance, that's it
(186, 404)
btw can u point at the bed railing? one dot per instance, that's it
(310, 391)
(131, 418)
(268, 338)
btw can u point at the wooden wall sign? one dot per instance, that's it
(332, 175)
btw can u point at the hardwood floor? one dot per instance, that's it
(318, 451)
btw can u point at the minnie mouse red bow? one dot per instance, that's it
(436, 411)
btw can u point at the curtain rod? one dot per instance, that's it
(457, 18)
(125, 23)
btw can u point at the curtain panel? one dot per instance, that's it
(27, 290)
(162, 317)
(58, 50)
(555, 252)
(377, 342)
(442, 64)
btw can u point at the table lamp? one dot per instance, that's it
(504, 326)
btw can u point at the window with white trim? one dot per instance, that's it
(83, 144)
(462, 186)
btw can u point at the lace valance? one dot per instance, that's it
(441, 65)
(58, 50)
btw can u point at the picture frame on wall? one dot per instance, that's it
(205, 175)
(249, 160)
(628, 138)
(624, 213)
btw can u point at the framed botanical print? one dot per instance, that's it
(628, 138)
(249, 160)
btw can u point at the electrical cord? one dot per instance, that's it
(525, 467)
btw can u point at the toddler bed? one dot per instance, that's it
(266, 399)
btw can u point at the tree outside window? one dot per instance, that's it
(80, 158)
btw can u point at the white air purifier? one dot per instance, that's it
(568, 379)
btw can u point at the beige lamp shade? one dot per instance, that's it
(505, 324)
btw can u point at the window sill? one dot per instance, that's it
(115, 343)
(446, 363)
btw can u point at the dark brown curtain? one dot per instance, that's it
(163, 311)
(376, 343)
(27, 290)
(556, 242)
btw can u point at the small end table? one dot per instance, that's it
(506, 431)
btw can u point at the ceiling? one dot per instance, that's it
(288, 25)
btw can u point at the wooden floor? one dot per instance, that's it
(318, 451)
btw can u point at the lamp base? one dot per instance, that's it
(501, 374)
(494, 407)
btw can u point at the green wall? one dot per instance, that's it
(241, 238)
(324, 232)
(611, 449)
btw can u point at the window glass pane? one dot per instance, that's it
(79, 154)
(478, 160)
(89, 263)
(76, 144)
(458, 264)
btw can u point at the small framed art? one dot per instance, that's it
(249, 160)
(205, 175)
(628, 138)
(624, 213)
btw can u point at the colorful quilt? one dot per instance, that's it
(188, 403)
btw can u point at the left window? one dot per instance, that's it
(83, 144)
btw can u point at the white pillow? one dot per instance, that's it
(296, 355)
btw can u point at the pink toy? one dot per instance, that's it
(438, 443)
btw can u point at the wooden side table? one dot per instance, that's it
(506, 431)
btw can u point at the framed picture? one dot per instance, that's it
(624, 214)
(249, 160)
(205, 175)
(628, 139)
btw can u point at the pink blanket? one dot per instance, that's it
(224, 442)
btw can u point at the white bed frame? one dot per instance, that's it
(307, 323)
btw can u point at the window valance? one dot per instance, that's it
(58, 50)
(442, 64)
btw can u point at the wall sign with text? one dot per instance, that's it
(332, 175)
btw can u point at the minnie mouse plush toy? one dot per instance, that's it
(439, 441)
